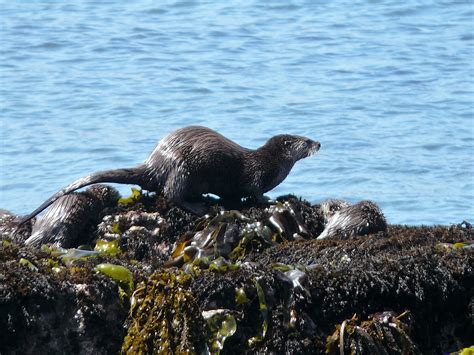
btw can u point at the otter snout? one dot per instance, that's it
(313, 146)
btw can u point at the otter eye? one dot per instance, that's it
(287, 143)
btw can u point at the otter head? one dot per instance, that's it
(331, 206)
(292, 148)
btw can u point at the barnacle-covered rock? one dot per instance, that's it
(53, 308)
(249, 280)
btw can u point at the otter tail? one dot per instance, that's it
(119, 176)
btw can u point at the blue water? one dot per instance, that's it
(385, 86)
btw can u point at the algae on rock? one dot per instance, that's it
(307, 289)
(165, 318)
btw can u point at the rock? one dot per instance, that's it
(259, 276)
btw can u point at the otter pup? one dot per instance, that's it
(345, 220)
(72, 216)
(195, 160)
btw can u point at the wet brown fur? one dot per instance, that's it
(195, 160)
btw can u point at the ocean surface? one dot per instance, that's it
(385, 86)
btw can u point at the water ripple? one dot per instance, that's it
(385, 86)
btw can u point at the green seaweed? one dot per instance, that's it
(28, 264)
(232, 235)
(118, 273)
(466, 351)
(254, 239)
(212, 239)
(54, 265)
(221, 264)
(116, 228)
(221, 325)
(381, 331)
(51, 249)
(166, 318)
(135, 196)
(107, 247)
(68, 256)
(281, 267)
(241, 296)
(457, 245)
(264, 313)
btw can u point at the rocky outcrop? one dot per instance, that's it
(254, 280)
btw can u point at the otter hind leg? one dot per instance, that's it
(177, 190)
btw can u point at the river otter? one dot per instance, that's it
(195, 160)
(71, 217)
(345, 220)
(331, 206)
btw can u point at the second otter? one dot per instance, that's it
(344, 219)
(69, 220)
(195, 160)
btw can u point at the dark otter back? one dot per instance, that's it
(198, 160)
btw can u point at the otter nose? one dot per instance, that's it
(317, 145)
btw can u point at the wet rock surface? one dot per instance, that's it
(254, 279)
